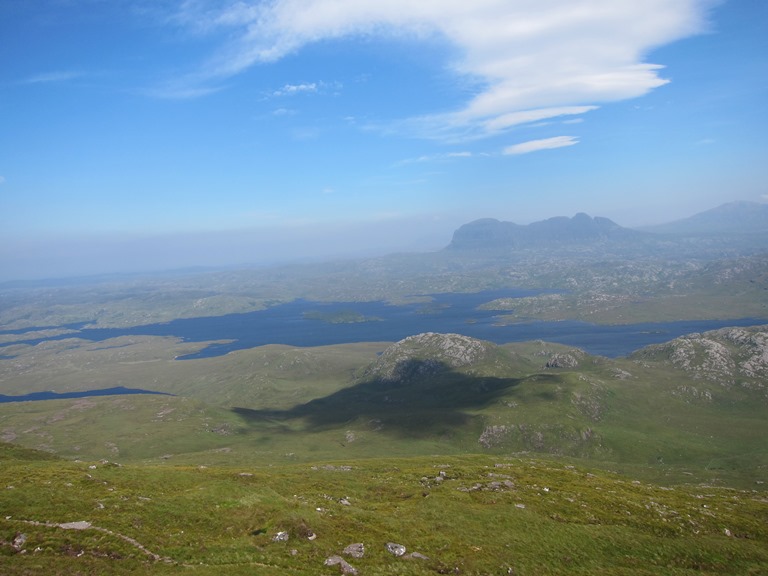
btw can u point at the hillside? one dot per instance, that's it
(733, 218)
(651, 414)
(730, 358)
(422, 516)
(435, 454)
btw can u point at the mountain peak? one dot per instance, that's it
(489, 233)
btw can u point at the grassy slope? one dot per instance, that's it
(486, 515)
(281, 404)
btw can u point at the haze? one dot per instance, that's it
(139, 135)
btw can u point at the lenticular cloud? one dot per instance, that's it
(530, 58)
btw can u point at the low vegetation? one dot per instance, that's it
(461, 515)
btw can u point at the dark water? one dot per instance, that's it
(65, 395)
(287, 324)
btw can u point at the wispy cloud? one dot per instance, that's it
(52, 77)
(531, 60)
(438, 157)
(187, 88)
(542, 144)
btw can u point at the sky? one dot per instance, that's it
(148, 134)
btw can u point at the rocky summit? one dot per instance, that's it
(427, 354)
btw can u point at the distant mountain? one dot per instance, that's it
(731, 218)
(489, 233)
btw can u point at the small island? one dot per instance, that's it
(339, 316)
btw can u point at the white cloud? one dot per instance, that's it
(532, 59)
(543, 144)
(292, 89)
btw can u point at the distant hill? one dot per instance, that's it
(582, 229)
(731, 218)
(737, 228)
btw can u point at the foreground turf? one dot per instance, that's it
(466, 515)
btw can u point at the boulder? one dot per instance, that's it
(356, 550)
(343, 565)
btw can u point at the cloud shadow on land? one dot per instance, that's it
(427, 398)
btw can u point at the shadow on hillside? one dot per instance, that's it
(426, 398)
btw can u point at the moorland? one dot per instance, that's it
(438, 453)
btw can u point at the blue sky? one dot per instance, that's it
(159, 134)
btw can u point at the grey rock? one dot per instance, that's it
(396, 549)
(280, 537)
(356, 550)
(81, 525)
(19, 541)
(416, 556)
(343, 565)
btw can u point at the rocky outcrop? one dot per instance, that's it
(493, 435)
(564, 360)
(729, 356)
(427, 354)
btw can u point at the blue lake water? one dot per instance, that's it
(288, 324)
(34, 396)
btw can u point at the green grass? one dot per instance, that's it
(549, 518)
(278, 404)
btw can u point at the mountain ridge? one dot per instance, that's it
(580, 229)
(732, 228)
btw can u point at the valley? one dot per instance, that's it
(564, 398)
